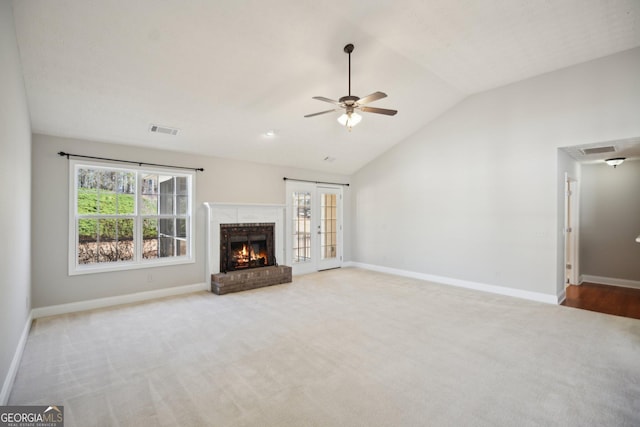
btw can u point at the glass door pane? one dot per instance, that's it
(301, 217)
(328, 231)
(328, 228)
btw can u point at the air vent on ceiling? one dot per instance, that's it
(163, 129)
(598, 150)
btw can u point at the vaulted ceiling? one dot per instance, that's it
(226, 72)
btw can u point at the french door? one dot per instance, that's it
(314, 227)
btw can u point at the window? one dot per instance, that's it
(124, 218)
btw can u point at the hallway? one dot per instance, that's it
(614, 300)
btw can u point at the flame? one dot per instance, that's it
(247, 254)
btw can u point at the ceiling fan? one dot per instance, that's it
(351, 103)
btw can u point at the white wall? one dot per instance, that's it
(473, 195)
(222, 181)
(15, 176)
(610, 221)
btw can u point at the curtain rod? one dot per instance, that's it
(314, 182)
(62, 153)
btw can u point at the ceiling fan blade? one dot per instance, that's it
(379, 111)
(373, 97)
(322, 112)
(322, 98)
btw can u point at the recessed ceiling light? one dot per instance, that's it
(270, 133)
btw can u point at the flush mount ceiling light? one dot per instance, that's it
(615, 161)
(270, 133)
(350, 103)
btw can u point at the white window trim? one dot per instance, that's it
(75, 269)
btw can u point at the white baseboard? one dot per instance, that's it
(610, 281)
(15, 362)
(562, 296)
(518, 293)
(73, 307)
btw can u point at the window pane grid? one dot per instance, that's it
(328, 232)
(105, 239)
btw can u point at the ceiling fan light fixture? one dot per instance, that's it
(349, 119)
(615, 161)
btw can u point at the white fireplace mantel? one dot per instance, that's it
(234, 213)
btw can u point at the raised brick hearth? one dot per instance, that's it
(236, 281)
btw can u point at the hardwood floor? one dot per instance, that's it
(604, 299)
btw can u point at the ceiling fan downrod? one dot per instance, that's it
(348, 49)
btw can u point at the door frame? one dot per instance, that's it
(315, 264)
(571, 230)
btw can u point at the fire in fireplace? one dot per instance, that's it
(245, 246)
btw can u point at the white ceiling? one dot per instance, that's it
(225, 72)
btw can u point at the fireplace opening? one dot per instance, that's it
(249, 253)
(244, 246)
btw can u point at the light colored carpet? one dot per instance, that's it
(344, 347)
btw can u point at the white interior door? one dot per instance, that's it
(314, 227)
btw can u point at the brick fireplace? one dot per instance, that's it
(245, 245)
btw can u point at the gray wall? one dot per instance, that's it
(474, 194)
(15, 176)
(610, 221)
(222, 181)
